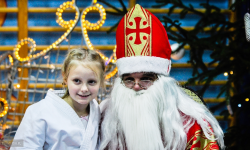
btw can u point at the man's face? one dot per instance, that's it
(138, 81)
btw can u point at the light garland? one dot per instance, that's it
(5, 105)
(70, 25)
(32, 45)
(66, 24)
(111, 74)
(86, 25)
(107, 61)
(60, 21)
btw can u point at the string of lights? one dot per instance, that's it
(69, 25)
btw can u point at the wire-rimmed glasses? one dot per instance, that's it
(145, 81)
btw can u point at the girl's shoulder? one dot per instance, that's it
(47, 102)
(36, 108)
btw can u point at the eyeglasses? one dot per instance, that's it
(144, 82)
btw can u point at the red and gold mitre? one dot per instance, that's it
(142, 43)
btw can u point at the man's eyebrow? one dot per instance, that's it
(125, 75)
(149, 74)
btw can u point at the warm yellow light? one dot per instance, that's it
(247, 99)
(10, 59)
(92, 26)
(111, 74)
(18, 86)
(31, 44)
(225, 74)
(231, 72)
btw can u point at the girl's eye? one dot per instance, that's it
(77, 81)
(92, 82)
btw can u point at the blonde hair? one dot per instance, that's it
(88, 58)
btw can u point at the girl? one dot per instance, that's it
(71, 121)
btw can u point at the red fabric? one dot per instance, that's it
(196, 140)
(120, 51)
(161, 46)
(159, 42)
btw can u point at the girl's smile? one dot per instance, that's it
(83, 95)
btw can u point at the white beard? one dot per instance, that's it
(138, 114)
(151, 119)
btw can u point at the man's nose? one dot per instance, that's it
(137, 86)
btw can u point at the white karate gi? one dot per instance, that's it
(52, 124)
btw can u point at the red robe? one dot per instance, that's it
(196, 140)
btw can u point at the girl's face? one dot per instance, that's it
(83, 84)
